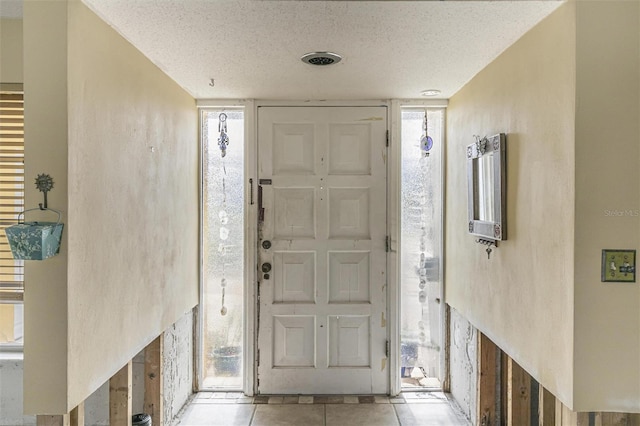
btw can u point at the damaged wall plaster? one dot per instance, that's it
(463, 353)
(178, 366)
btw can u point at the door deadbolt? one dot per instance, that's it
(266, 244)
(266, 267)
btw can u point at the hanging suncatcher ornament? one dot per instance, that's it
(223, 139)
(426, 143)
(223, 216)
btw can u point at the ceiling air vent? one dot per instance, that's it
(321, 58)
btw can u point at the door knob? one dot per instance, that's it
(266, 244)
(266, 267)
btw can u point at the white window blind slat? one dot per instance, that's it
(11, 190)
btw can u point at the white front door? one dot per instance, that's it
(322, 262)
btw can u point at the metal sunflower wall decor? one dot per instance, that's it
(44, 183)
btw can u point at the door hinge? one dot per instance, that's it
(258, 358)
(387, 138)
(387, 244)
(386, 349)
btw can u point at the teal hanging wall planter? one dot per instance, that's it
(36, 240)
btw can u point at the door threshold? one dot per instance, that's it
(240, 398)
(422, 389)
(325, 399)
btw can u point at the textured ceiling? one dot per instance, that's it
(390, 49)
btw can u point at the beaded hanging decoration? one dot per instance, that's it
(223, 143)
(426, 143)
(223, 139)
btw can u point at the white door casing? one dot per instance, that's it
(323, 305)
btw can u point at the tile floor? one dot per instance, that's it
(407, 409)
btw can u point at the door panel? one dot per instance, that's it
(294, 341)
(349, 343)
(323, 302)
(296, 280)
(294, 212)
(349, 276)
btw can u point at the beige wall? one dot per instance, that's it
(46, 135)
(522, 298)
(10, 50)
(607, 315)
(131, 221)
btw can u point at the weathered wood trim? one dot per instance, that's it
(518, 395)
(546, 407)
(488, 357)
(77, 415)
(153, 380)
(120, 396)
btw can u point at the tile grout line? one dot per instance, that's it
(253, 414)
(397, 415)
(325, 414)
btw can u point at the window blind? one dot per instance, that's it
(11, 188)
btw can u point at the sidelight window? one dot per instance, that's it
(421, 248)
(222, 248)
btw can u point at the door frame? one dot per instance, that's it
(251, 235)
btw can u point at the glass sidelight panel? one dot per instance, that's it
(421, 248)
(222, 248)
